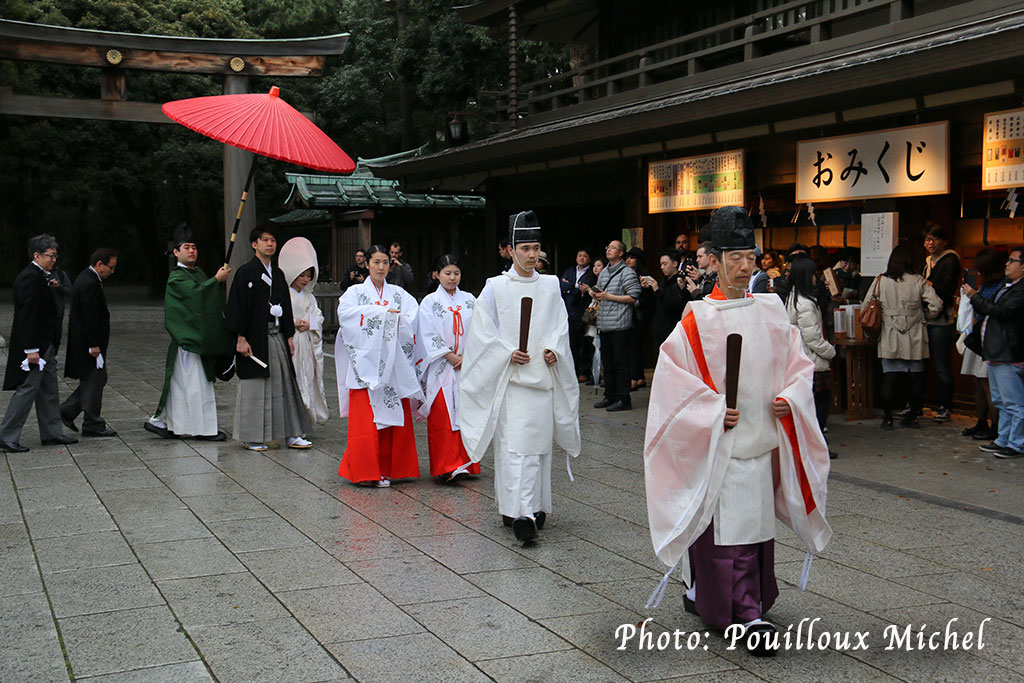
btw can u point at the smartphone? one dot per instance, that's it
(971, 277)
(595, 288)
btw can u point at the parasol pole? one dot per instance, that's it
(241, 206)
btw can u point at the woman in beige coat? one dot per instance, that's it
(907, 300)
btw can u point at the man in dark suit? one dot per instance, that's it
(581, 273)
(88, 336)
(32, 352)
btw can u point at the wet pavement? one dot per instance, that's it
(139, 559)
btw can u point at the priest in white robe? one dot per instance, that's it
(298, 262)
(718, 477)
(373, 354)
(520, 400)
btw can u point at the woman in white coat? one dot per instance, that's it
(805, 315)
(443, 319)
(376, 379)
(299, 264)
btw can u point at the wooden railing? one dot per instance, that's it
(798, 23)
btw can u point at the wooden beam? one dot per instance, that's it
(153, 60)
(71, 108)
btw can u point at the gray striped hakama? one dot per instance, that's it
(271, 408)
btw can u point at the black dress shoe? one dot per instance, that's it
(603, 403)
(1008, 452)
(219, 436)
(539, 518)
(68, 422)
(525, 529)
(978, 428)
(162, 432)
(760, 641)
(689, 605)
(13, 447)
(507, 521)
(619, 405)
(106, 431)
(989, 435)
(59, 441)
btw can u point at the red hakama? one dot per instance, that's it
(446, 450)
(372, 453)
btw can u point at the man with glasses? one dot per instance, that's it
(617, 288)
(88, 337)
(31, 358)
(1002, 346)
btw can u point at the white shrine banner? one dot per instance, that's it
(878, 235)
(899, 162)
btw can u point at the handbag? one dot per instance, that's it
(871, 316)
(590, 314)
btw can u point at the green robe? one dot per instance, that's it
(194, 317)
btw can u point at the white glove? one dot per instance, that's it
(25, 366)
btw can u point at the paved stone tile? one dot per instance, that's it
(262, 533)
(31, 650)
(222, 599)
(538, 592)
(189, 672)
(872, 558)
(569, 665)
(107, 460)
(485, 628)
(83, 551)
(170, 467)
(79, 494)
(154, 448)
(273, 651)
(225, 506)
(69, 521)
(297, 568)
(367, 541)
(1000, 564)
(134, 501)
(101, 589)
(18, 573)
(34, 459)
(48, 476)
(351, 612)
(471, 552)
(595, 635)
(408, 580)
(201, 484)
(186, 559)
(127, 478)
(121, 641)
(972, 592)
(404, 659)
(584, 562)
(855, 588)
(154, 527)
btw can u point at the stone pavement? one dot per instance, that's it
(137, 559)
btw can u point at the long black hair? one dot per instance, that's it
(901, 262)
(801, 278)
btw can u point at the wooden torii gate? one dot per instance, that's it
(235, 60)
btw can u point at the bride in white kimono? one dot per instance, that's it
(299, 264)
(443, 319)
(376, 379)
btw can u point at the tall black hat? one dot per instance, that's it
(182, 234)
(731, 229)
(523, 227)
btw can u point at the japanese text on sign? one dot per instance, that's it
(898, 162)
(704, 182)
(1002, 166)
(878, 233)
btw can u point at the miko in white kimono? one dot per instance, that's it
(519, 400)
(442, 321)
(298, 262)
(376, 379)
(718, 477)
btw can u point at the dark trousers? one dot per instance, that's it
(940, 347)
(88, 399)
(576, 346)
(39, 389)
(615, 363)
(637, 337)
(915, 385)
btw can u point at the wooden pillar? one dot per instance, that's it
(339, 259)
(236, 168)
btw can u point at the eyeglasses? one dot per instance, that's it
(50, 256)
(1015, 260)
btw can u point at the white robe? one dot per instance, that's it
(522, 408)
(745, 477)
(437, 335)
(191, 408)
(374, 350)
(308, 358)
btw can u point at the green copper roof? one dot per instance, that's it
(362, 190)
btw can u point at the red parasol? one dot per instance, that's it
(263, 124)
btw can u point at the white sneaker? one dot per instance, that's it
(298, 442)
(255, 446)
(383, 483)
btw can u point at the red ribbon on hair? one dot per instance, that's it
(457, 328)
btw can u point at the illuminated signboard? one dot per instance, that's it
(696, 183)
(899, 162)
(1002, 166)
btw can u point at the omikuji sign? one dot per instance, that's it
(694, 183)
(899, 162)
